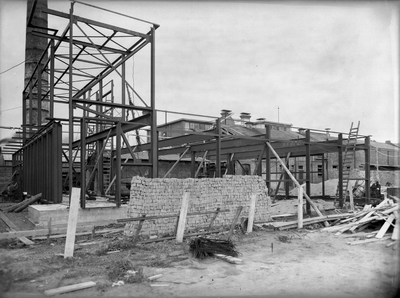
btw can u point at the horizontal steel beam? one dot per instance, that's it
(124, 126)
(95, 23)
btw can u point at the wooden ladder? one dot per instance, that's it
(348, 157)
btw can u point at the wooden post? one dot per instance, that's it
(300, 207)
(350, 189)
(49, 229)
(72, 222)
(213, 218)
(252, 209)
(139, 227)
(239, 209)
(297, 183)
(182, 217)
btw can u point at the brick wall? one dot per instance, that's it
(164, 196)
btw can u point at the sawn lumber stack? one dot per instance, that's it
(387, 212)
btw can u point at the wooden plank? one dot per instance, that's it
(70, 288)
(300, 207)
(350, 189)
(296, 182)
(72, 221)
(385, 227)
(235, 219)
(229, 259)
(252, 210)
(283, 215)
(213, 218)
(182, 217)
(14, 228)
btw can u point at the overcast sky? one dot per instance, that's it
(324, 64)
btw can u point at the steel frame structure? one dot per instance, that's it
(78, 60)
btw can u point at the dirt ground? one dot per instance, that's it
(305, 263)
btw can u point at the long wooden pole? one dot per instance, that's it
(182, 217)
(300, 208)
(296, 183)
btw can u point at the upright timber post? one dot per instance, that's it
(218, 151)
(193, 164)
(154, 132)
(340, 169)
(367, 153)
(308, 170)
(268, 157)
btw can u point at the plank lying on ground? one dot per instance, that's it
(14, 228)
(70, 288)
(385, 226)
(307, 220)
(229, 259)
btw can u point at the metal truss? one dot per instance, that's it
(89, 93)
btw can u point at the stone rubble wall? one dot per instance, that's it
(161, 196)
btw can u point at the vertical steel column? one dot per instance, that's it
(367, 169)
(154, 133)
(123, 74)
(39, 94)
(340, 169)
(70, 103)
(268, 157)
(51, 84)
(100, 168)
(30, 106)
(24, 114)
(323, 174)
(83, 162)
(193, 164)
(118, 166)
(308, 169)
(218, 150)
(57, 163)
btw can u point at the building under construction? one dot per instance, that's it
(84, 119)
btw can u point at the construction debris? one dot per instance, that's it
(386, 212)
(202, 248)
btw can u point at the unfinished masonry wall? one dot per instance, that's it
(161, 196)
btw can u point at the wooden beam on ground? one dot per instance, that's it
(252, 210)
(182, 217)
(295, 182)
(26, 203)
(14, 228)
(235, 219)
(72, 221)
(70, 288)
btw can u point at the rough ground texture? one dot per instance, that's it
(303, 263)
(164, 197)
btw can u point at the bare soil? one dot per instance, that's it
(304, 263)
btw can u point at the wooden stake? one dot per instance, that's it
(235, 219)
(350, 189)
(72, 221)
(139, 227)
(300, 207)
(49, 229)
(252, 210)
(213, 218)
(182, 217)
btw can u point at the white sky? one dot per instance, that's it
(324, 64)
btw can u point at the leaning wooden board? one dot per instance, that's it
(13, 228)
